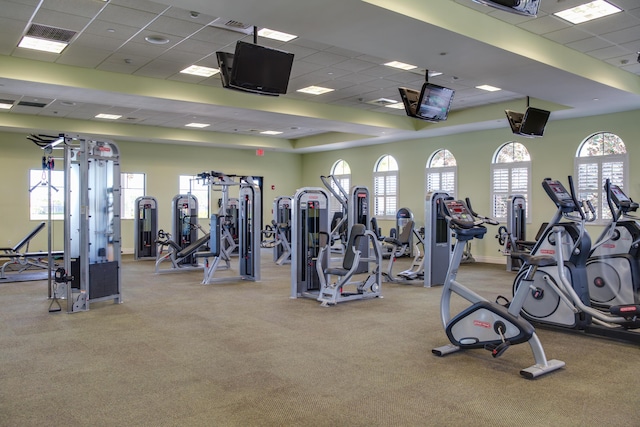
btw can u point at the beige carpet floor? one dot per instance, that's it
(177, 353)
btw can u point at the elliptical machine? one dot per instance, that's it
(613, 267)
(559, 289)
(485, 324)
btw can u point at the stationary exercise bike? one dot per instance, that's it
(485, 324)
(559, 289)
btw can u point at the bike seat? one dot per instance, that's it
(538, 260)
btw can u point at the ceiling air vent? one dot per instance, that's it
(232, 25)
(32, 104)
(50, 33)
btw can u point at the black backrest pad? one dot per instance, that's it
(357, 231)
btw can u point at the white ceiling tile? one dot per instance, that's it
(592, 43)
(126, 16)
(144, 5)
(550, 7)
(355, 65)
(60, 20)
(174, 26)
(301, 68)
(81, 56)
(300, 52)
(633, 46)
(544, 25)
(605, 24)
(186, 15)
(143, 48)
(88, 9)
(16, 11)
(623, 36)
(608, 52)
(91, 40)
(325, 58)
(198, 47)
(218, 36)
(158, 69)
(34, 54)
(567, 35)
(111, 30)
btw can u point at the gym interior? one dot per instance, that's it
(174, 351)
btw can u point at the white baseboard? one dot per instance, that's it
(491, 259)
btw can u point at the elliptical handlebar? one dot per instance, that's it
(485, 219)
(572, 192)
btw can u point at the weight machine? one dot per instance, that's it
(92, 245)
(182, 244)
(309, 233)
(339, 223)
(512, 237)
(403, 216)
(437, 239)
(145, 227)
(282, 230)
(221, 241)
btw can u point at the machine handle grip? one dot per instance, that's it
(573, 196)
(484, 219)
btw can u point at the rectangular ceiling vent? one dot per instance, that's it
(7, 101)
(50, 33)
(32, 104)
(232, 25)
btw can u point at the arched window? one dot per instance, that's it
(510, 175)
(342, 172)
(385, 187)
(600, 156)
(442, 173)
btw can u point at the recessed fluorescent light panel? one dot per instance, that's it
(587, 12)
(400, 65)
(42, 44)
(315, 90)
(197, 125)
(488, 88)
(276, 35)
(108, 116)
(397, 106)
(197, 70)
(270, 132)
(6, 104)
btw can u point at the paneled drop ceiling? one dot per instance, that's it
(110, 67)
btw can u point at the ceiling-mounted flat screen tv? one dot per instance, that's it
(410, 99)
(225, 64)
(255, 68)
(521, 7)
(432, 103)
(530, 124)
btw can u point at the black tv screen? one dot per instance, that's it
(260, 69)
(534, 122)
(434, 102)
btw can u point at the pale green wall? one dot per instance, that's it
(552, 156)
(162, 163)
